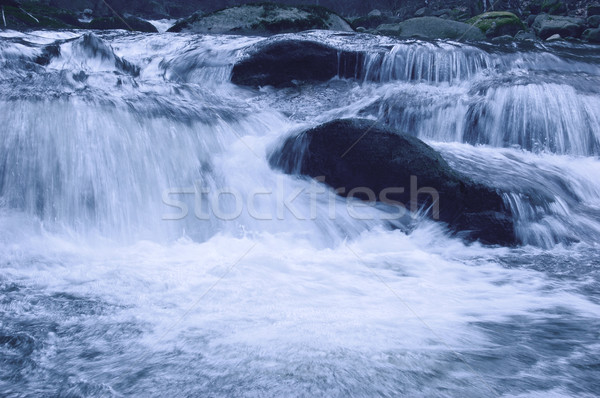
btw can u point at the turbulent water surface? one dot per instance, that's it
(109, 288)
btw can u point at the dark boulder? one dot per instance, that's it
(591, 35)
(525, 35)
(547, 25)
(282, 63)
(10, 3)
(593, 9)
(534, 7)
(594, 21)
(353, 154)
(91, 46)
(555, 7)
(49, 52)
(547, 6)
(147, 9)
(37, 16)
(370, 21)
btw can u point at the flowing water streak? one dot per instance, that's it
(100, 294)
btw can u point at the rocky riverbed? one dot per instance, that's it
(466, 20)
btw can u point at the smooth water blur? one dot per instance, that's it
(107, 289)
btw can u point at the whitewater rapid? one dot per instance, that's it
(106, 290)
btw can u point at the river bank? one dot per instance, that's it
(466, 22)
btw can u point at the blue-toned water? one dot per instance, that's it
(148, 249)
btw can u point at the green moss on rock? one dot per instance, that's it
(432, 28)
(497, 23)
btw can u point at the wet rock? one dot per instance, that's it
(16, 344)
(375, 13)
(593, 9)
(390, 29)
(369, 21)
(525, 35)
(38, 16)
(502, 39)
(10, 3)
(80, 76)
(547, 25)
(534, 7)
(263, 19)
(48, 53)
(421, 12)
(594, 21)
(432, 28)
(91, 46)
(445, 12)
(287, 62)
(497, 23)
(554, 7)
(591, 35)
(348, 159)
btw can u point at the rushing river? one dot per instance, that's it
(145, 249)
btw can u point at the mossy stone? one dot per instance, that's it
(497, 23)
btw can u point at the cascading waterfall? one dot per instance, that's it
(454, 93)
(105, 173)
(119, 279)
(537, 117)
(503, 100)
(428, 62)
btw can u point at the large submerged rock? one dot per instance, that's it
(90, 46)
(594, 21)
(432, 28)
(352, 154)
(283, 63)
(593, 9)
(263, 19)
(592, 35)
